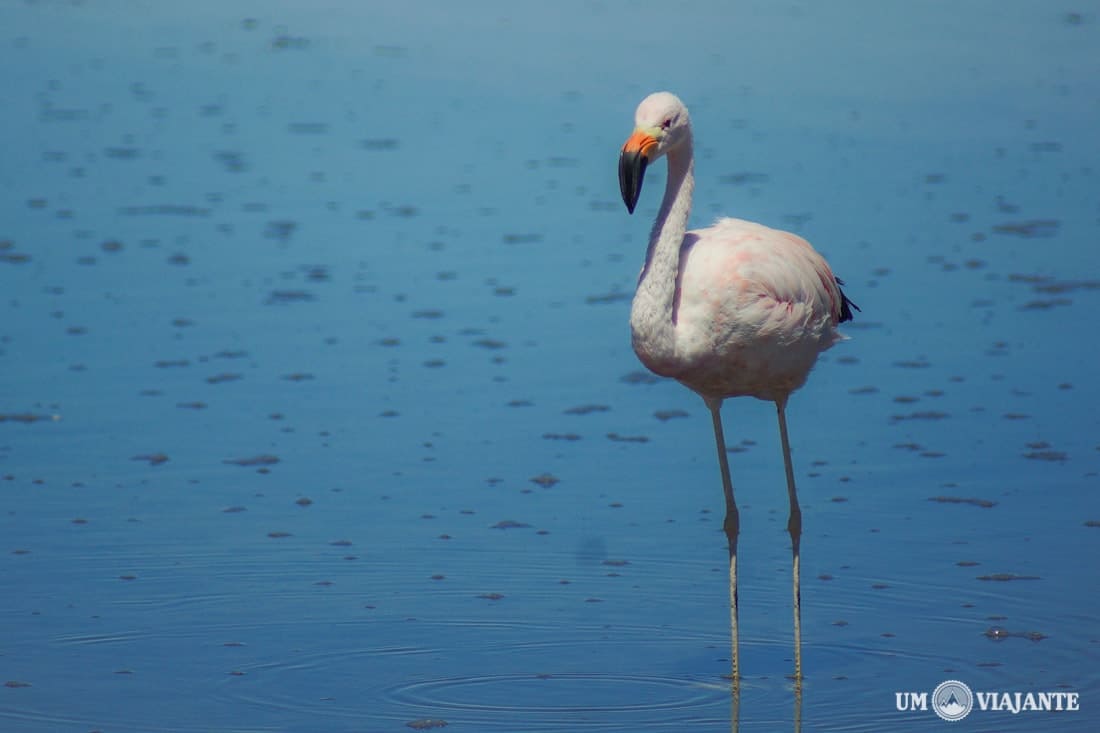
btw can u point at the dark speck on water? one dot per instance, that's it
(260, 460)
(154, 459)
(1007, 576)
(666, 415)
(983, 503)
(627, 438)
(510, 524)
(586, 409)
(997, 633)
(284, 297)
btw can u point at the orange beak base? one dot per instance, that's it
(632, 164)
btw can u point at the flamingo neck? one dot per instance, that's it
(653, 313)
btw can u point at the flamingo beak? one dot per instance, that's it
(633, 160)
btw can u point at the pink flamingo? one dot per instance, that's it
(737, 309)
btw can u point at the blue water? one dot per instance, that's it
(318, 410)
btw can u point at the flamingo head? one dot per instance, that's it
(660, 125)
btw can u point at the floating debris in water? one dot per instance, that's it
(404, 211)
(743, 178)
(1004, 577)
(561, 436)
(983, 503)
(28, 417)
(1047, 285)
(1032, 228)
(666, 415)
(426, 723)
(998, 633)
(232, 160)
(165, 210)
(260, 460)
(587, 409)
(627, 438)
(154, 459)
(528, 238)
(1045, 304)
(14, 258)
(510, 524)
(283, 42)
(280, 230)
(121, 153)
(1042, 451)
(285, 297)
(545, 480)
(608, 298)
(921, 415)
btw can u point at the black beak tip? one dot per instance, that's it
(631, 173)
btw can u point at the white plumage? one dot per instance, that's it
(736, 309)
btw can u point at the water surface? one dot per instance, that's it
(319, 412)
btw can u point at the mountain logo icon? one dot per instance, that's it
(952, 700)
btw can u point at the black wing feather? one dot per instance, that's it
(846, 304)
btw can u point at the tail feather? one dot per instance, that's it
(846, 304)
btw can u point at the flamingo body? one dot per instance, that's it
(736, 309)
(752, 309)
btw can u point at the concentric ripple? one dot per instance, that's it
(580, 699)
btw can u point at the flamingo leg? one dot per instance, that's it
(794, 527)
(731, 526)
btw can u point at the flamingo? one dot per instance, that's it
(736, 309)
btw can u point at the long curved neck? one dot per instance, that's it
(653, 314)
(671, 223)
